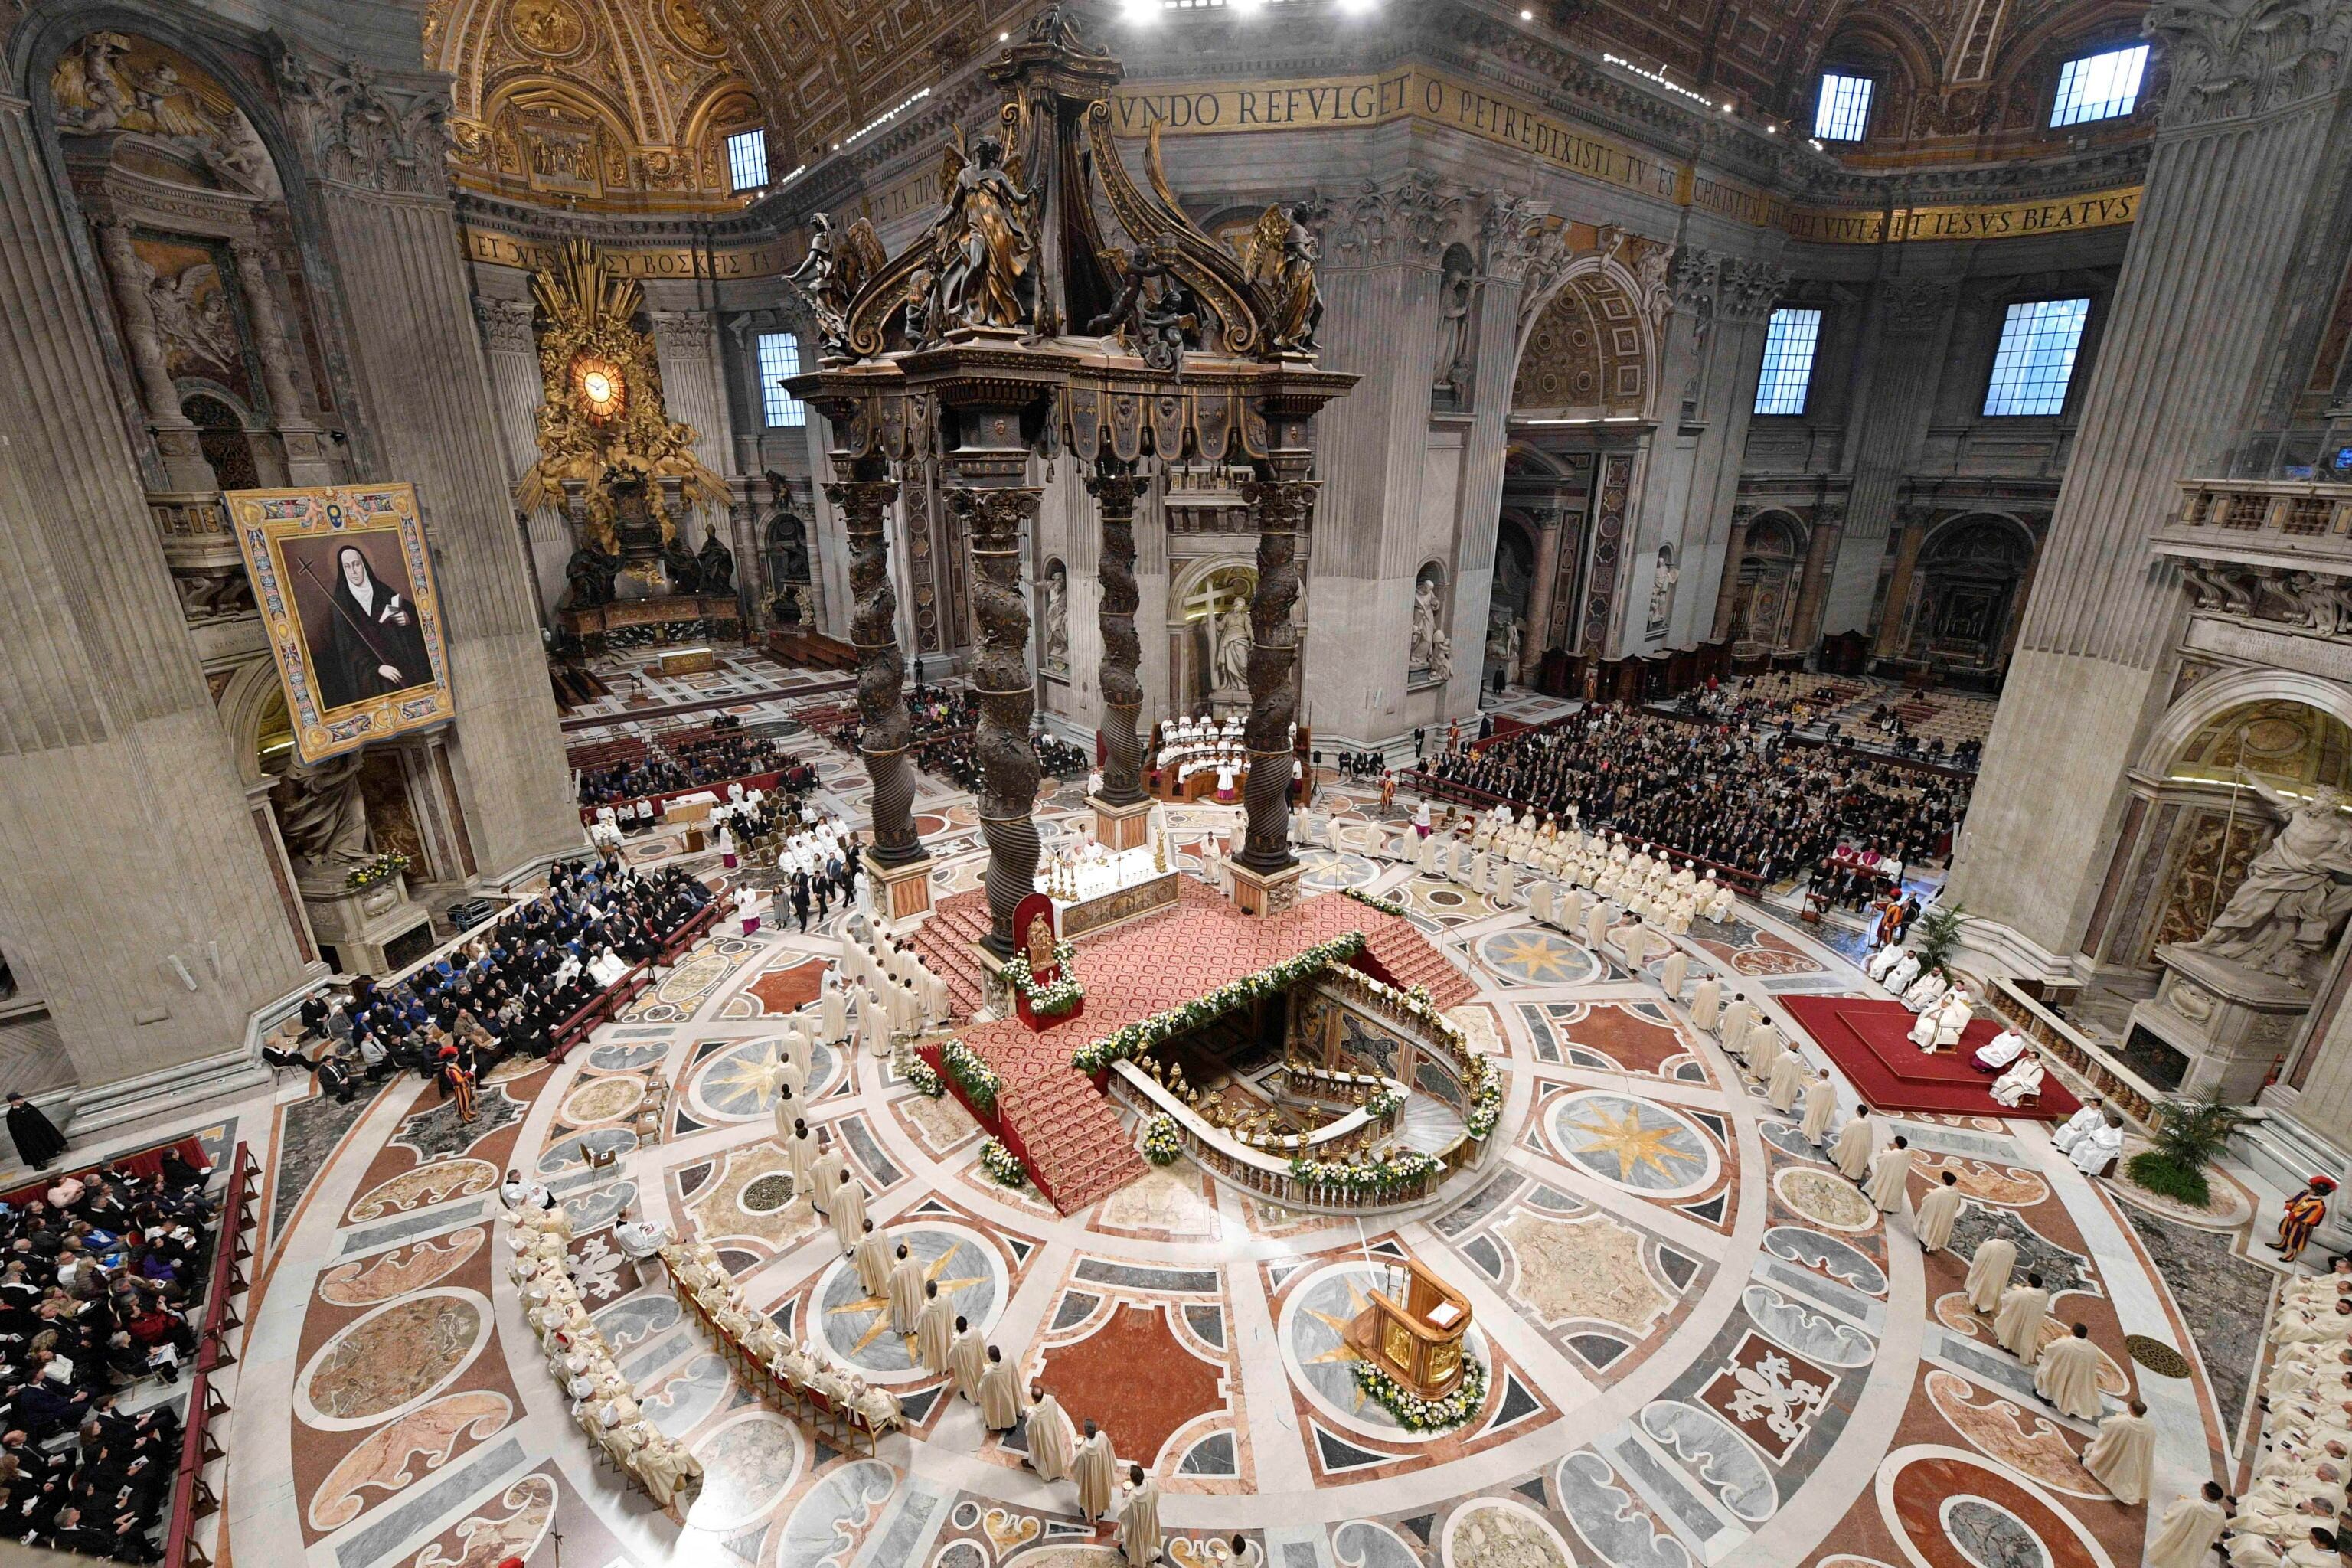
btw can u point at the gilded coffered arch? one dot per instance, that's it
(622, 104)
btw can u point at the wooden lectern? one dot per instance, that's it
(1420, 1342)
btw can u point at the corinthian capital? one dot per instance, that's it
(506, 325)
(1915, 306)
(369, 131)
(2236, 57)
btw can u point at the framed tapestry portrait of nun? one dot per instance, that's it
(345, 587)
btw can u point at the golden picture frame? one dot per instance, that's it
(344, 585)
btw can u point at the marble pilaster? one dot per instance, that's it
(138, 901)
(306, 457)
(2240, 165)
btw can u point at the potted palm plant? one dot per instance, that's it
(2188, 1137)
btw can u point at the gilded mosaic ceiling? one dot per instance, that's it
(626, 103)
(623, 104)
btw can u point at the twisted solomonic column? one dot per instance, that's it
(1001, 680)
(873, 631)
(1113, 487)
(1280, 508)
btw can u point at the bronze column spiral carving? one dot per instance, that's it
(1113, 486)
(873, 631)
(1280, 508)
(1001, 680)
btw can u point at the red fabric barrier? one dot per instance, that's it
(145, 1162)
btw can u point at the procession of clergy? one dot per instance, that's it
(1567, 863)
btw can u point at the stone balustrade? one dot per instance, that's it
(2086, 1061)
(1268, 1172)
(2287, 525)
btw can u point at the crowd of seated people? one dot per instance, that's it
(508, 988)
(1788, 709)
(1732, 792)
(1057, 758)
(691, 764)
(1885, 727)
(103, 1271)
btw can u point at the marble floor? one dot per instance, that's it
(1703, 1347)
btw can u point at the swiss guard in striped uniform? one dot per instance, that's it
(2304, 1211)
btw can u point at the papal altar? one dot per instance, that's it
(1093, 888)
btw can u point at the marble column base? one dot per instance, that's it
(1120, 828)
(373, 932)
(2233, 1023)
(1265, 892)
(902, 891)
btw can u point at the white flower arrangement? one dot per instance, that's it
(1145, 1033)
(975, 1077)
(1389, 1173)
(1418, 1414)
(1054, 999)
(1002, 1168)
(926, 1082)
(1386, 906)
(1384, 1103)
(1161, 1143)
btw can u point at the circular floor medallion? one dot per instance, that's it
(391, 1359)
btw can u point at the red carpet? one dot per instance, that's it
(1870, 1042)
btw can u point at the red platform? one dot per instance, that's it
(1870, 1041)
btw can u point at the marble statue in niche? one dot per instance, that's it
(1454, 289)
(1232, 638)
(1057, 619)
(2284, 916)
(1661, 587)
(1431, 654)
(322, 814)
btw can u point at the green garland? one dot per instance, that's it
(1160, 1144)
(1370, 1178)
(926, 1082)
(974, 1076)
(1145, 1033)
(1386, 906)
(1001, 1167)
(1050, 1001)
(1384, 1102)
(1415, 1414)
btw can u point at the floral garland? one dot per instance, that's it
(1386, 906)
(1161, 1143)
(1486, 1099)
(1052, 1000)
(975, 1077)
(1418, 1414)
(1145, 1033)
(1001, 1167)
(383, 868)
(1384, 1103)
(926, 1082)
(1376, 1178)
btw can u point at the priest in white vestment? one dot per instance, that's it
(1996, 1054)
(2068, 1375)
(2186, 1534)
(2123, 1456)
(2020, 1083)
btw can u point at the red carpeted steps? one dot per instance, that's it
(946, 943)
(1078, 1147)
